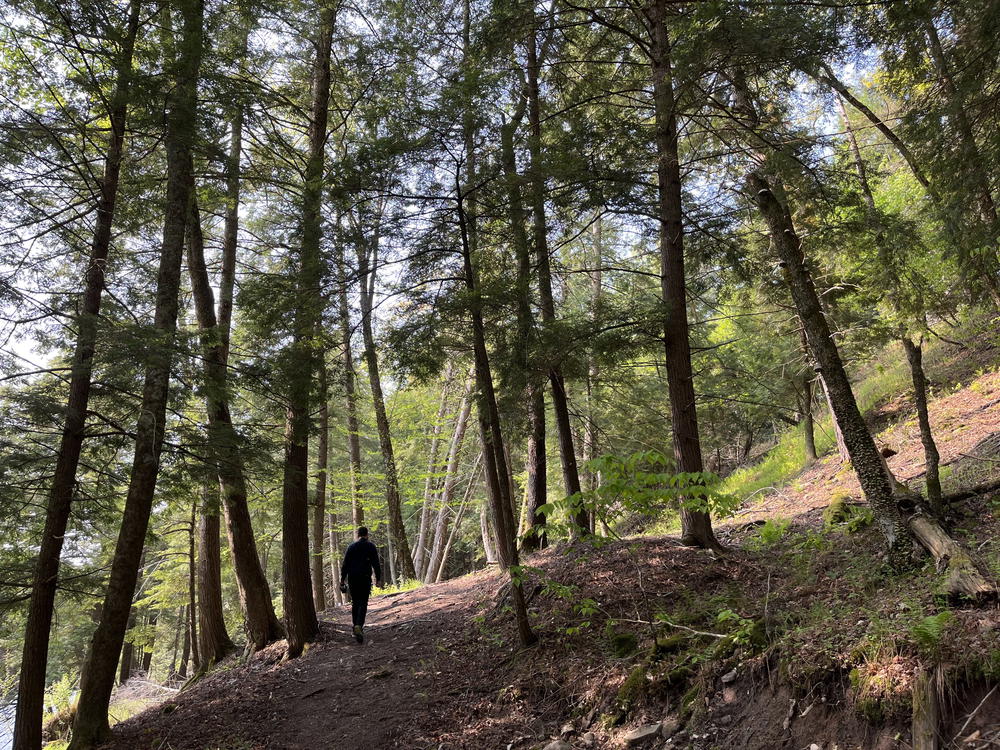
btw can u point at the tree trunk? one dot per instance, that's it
(333, 539)
(34, 655)
(397, 531)
(391, 553)
(431, 482)
(172, 672)
(224, 442)
(593, 371)
(486, 533)
(828, 77)
(864, 455)
(914, 354)
(696, 526)
(301, 624)
(147, 652)
(494, 458)
(536, 494)
(451, 477)
(560, 401)
(186, 648)
(350, 395)
(128, 653)
(319, 501)
(808, 423)
(193, 587)
(215, 642)
(91, 724)
(458, 519)
(837, 431)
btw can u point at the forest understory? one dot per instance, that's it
(792, 638)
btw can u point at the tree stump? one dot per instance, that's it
(926, 716)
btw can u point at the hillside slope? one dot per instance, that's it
(796, 637)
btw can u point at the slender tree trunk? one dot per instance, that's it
(34, 655)
(593, 371)
(915, 356)
(458, 520)
(864, 455)
(560, 400)
(128, 653)
(186, 648)
(319, 502)
(486, 533)
(147, 656)
(431, 482)
(231, 230)
(215, 642)
(391, 553)
(451, 477)
(91, 724)
(536, 494)
(838, 432)
(255, 592)
(172, 672)
(397, 531)
(350, 395)
(696, 526)
(193, 586)
(494, 458)
(301, 624)
(808, 423)
(333, 539)
(829, 77)
(224, 442)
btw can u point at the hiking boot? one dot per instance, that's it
(359, 636)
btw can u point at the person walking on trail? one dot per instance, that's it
(360, 560)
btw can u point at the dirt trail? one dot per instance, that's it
(337, 695)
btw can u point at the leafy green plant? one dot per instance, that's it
(860, 518)
(643, 483)
(928, 632)
(742, 630)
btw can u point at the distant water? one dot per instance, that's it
(7, 725)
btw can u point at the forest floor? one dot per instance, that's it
(797, 637)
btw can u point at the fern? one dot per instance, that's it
(927, 633)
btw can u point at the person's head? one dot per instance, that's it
(362, 532)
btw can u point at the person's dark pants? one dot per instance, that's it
(360, 591)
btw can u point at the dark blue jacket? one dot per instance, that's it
(360, 560)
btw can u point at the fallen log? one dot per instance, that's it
(964, 578)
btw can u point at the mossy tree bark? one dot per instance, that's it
(864, 455)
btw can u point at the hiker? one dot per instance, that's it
(360, 560)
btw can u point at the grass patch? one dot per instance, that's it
(405, 585)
